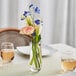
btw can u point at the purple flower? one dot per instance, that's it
(30, 5)
(37, 21)
(37, 10)
(33, 10)
(26, 13)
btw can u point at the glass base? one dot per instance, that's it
(32, 69)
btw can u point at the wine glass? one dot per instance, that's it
(7, 52)
(68, 61)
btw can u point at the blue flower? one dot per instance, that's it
(33, 10)
(37, 21)
(26, 13)
(37, 10)
(30, 5)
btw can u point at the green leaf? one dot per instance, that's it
(36, 38)
(29, 21)
(39, 38)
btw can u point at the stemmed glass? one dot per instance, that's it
(68, 61)
(7, 52)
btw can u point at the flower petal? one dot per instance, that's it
(26, 13)
(37, 21)
(30, 5)
(37, 10)
(27, 30)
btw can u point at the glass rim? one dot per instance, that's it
(7, 43)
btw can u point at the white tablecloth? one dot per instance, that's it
(50, 66)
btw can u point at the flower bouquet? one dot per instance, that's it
(33, 29)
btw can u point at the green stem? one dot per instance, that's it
(36, 54)
(39, 53)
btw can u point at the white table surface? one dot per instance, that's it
(50, 67)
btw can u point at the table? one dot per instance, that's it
(50, 67)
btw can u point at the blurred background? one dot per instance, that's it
(59, 18)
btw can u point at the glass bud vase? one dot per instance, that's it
(35, 56)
